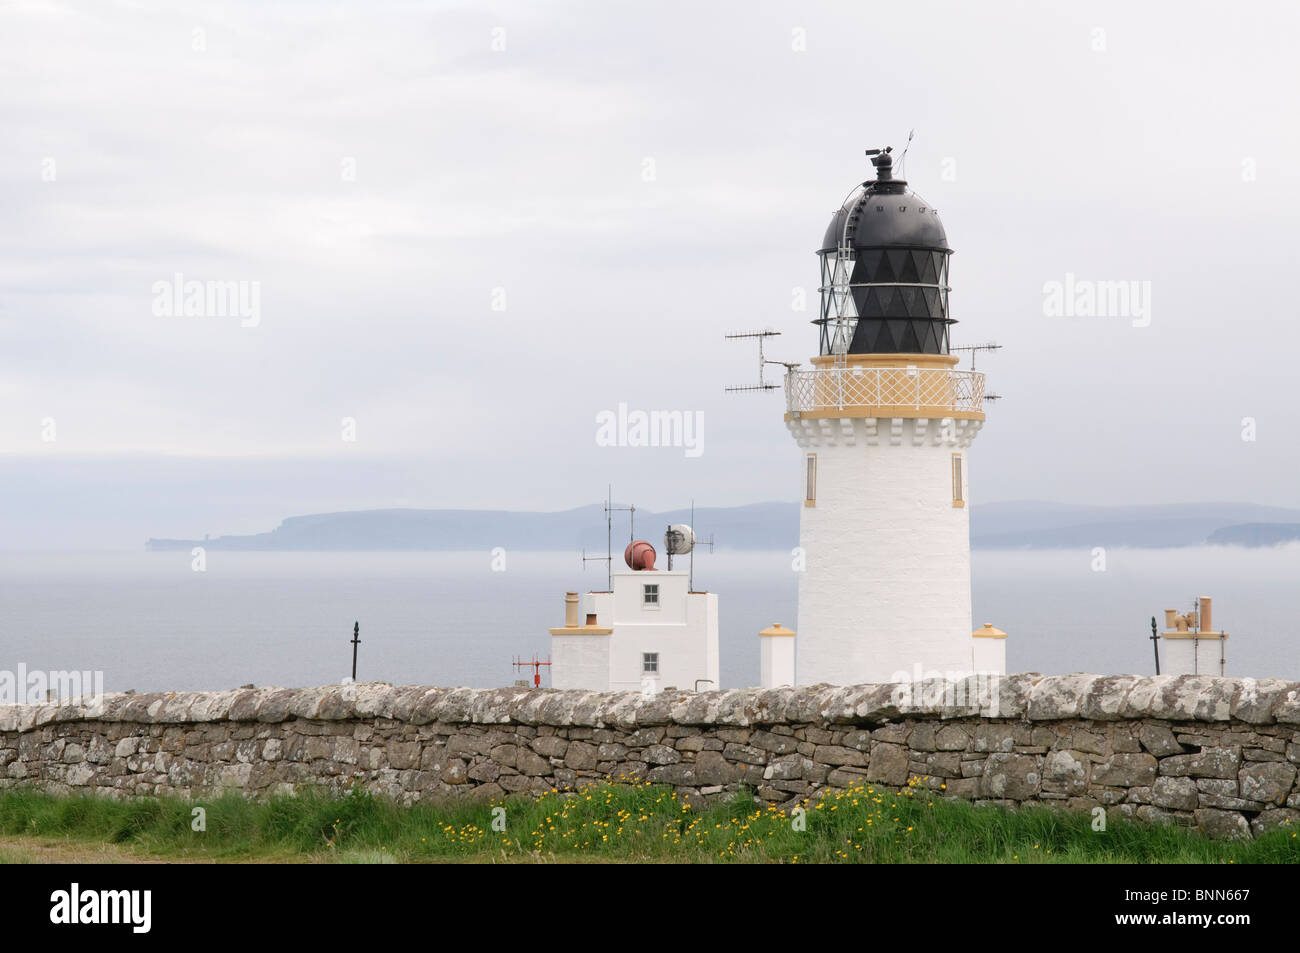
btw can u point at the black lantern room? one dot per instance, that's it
(884, 271)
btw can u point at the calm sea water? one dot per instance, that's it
(151, 623)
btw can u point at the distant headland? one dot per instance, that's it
(757, 526)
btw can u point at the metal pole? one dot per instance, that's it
(690, 572)
(356, 640)
(1155, 644)
(1196, 641)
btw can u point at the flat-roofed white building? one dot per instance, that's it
(650, 632)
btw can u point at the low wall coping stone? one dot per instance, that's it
(1024, 696)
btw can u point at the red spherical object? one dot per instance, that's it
(639, 556)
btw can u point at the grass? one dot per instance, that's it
(610, 823)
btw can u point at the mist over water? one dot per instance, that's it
(151, 623)
(1060, 616)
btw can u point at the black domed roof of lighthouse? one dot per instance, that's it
(886, 213)
(884, 271)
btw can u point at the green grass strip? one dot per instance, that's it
(608, 822)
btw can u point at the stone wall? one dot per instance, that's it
(1214, 753)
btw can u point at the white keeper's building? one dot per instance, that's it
(651, 632)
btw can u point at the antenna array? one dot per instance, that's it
(608, 558)
(763, 361)
(974, 349)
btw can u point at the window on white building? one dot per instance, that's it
(957, 498)
(651, 594)
(649, 663)
(810, 493)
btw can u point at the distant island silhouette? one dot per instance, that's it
(757, 526)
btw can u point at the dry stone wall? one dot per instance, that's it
(1213, 753)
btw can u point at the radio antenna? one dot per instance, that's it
(608, 558)
(698, 542)
(680, 540)
(975, 349)
(763, 360)
(907, 145)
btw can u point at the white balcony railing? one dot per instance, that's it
(889, 390)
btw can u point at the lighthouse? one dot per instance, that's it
(884, 421)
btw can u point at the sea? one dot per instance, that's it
(153, 622)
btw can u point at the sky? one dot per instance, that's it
(466, 231)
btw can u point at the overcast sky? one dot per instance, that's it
(629, 182)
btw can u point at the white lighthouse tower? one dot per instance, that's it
(885, 421)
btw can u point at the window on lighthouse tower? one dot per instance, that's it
(810, 494)
(957, 497)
